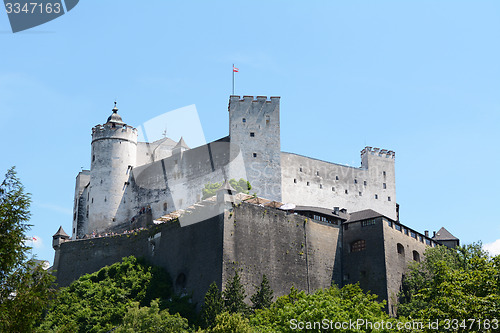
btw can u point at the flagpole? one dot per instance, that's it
(233, 79)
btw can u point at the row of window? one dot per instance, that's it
(360, 245)
(401, 251)
(337, 177)
(410, 233)
(333, 188)
(384, 185)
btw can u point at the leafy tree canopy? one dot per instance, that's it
(151, 320)
(334, 304)
(98, 302)
(239, 185)
(459, 283)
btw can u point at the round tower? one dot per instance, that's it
(114, 149)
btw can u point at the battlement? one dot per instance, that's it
(108, 131)
(378, 152)
(272, 99)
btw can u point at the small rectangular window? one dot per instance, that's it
(254, 154)
(252, 134)
(244, 120)
(295, 181)
(384, 173)
(307, 183)
(300, 169)
(388, 198)
(376, 196)
(364, 183)
(360, 194)
(355, 181)
(317, 173)
(333, 189)
(384, 185)
(320, 186)
(336, 177)
(368, 222)
(346, 192)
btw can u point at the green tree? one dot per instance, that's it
(25, 287)
(212, 306)
(98, 302)
(14, 217)
(234, 295)
(334, 304)
(231, 322)
(151, 319)
(263, 298)
(461, 284)
(240, 186)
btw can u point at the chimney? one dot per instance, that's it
(426, 233)
(336, 210)
(433, 234)
(343, 210)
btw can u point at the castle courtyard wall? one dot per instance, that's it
(310, 182)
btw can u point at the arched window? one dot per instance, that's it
(416, 256)
(358, 245)
(401, 249)
(165, 206)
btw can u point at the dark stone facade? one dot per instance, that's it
(291, 249)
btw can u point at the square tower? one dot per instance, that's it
(254, 125)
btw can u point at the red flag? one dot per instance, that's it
(236, 70)
(34, 238)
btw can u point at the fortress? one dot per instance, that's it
(310, 223)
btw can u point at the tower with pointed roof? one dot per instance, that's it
(114, 149)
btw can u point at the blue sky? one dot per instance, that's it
(421, 78)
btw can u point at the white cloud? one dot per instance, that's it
(493, 248)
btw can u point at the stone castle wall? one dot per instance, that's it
(311, 182)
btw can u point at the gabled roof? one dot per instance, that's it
(363, 215)
(181, 144)
(444, 235)
(61, 233)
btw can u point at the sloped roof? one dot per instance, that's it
(320, 210)
(60, 233)
(363, 215)
(181, 144)
(444, 235)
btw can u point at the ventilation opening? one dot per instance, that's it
(180, 282)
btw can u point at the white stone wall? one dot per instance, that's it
(254, 125)
(310, 182)
(113, 155)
